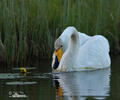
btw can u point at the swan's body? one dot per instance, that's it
(81, 51)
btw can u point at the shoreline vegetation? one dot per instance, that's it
(28, 28)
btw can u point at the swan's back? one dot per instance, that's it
(94, 53)
(83, 38)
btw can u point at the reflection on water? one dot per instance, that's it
(20, 83)
(81, 85)
(30, 87)
(15, 94)
(37, 84)
(40, 84)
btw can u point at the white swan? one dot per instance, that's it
(75, 51)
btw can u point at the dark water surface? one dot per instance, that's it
(40, 84)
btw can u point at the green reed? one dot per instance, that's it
(28, 28)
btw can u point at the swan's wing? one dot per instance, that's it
(94, 53)
(83, 38)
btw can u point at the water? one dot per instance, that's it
(40, 84)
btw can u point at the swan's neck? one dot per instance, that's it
(69, 37)
(72, 40)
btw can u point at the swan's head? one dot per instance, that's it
(61, 45)
(57, 55)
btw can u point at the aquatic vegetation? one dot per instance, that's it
(23, 70)
(28, 28)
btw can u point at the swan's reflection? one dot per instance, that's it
(82, 85)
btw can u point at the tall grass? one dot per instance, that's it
(28, 28)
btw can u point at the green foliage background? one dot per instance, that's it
(28, 28)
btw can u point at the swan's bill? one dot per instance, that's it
(58, 56)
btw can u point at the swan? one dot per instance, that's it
(75, 51)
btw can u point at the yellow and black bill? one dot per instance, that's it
(58, 56)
